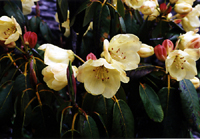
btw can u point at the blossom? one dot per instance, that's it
(181, 64)
(135, 4)
(191, 21)
(30, 38)
(146, 51)
(55, 75)
(64, 24)
(9, 29)
(173, 1)
(195, 82)
(153, 16)
(99, 77)
(190, 39)
(148, 7)
(27, 6)
(123, 49)
(182, 7)
(54, 54)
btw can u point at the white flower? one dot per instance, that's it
(27, 6)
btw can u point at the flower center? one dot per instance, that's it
(101, 73)
(9, 31)
(179, 61)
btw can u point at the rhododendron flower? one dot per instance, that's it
(146, 51)
(99, 77)
(195, 82)
(190, 39)
(55, 75)
(148, 7)
(191, 21)
(27, 6)
(180, 64)
(135, 4)
(173, 1)
(153, 16)
(182, 8)
(9, 29)
(123, 49)
(54, 54)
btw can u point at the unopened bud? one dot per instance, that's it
(146, 51)
(160, 52)
(32, 72)
(30, 38)
(177, 21)
(91, 56)
(195, 82)
(182, 8)
(148, 7)
(165, 9)
(168, 44)
(173, 1)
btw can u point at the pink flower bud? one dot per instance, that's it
(164, 9)
(30, 38)
(91, 56)
(168, 44)
(160, 52)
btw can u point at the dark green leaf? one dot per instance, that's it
(62, 9)
(120, 8)
(89, 102)
(71, 134)
(11, 9)
(34, 24)
(46, 32)
(122, 24)
(90, 129)
(121, 94)
(123, 121)
(151, 103)
(190, 103)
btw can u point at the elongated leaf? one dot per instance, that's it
(90, 129)
(123, 121)
(71, 134)
(34, 24)
(190, 103)
(6, 107)
(11, 9)
(151, 103)
(90, 12)
(89, 102)
(122, 24)
(46, 32)
(62, 8)
(120, 8)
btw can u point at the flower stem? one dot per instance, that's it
(20, 50)
(79, 58)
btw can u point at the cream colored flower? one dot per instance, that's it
(173, 1)
(135, 4)
(191, 21)
(123, 49)
(9, 29)
(190, 39)
(54, 54)
(153, 16)
(99, 77)
(180, 64)
(182, 8)
(146, 51)
(195, 82)
(55, 75)
(64, 24)
(27, 6)
(186, 1)
(148, 7)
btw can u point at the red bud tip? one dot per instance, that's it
(30, 38)
(91, 56)
(177, 21)
(168, 44)
(160, 52)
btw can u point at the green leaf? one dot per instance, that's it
(11, 9)
(46, 32)
(90, 12)
(90, 129)
(122, 24)
(120, 8)
(190, 103)
(88, 102)
(62, 9)
(6, 106)
(121, 94)
(123, 121)
(151, 103)
(34, 24)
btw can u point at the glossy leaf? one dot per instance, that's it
(190, 103)
(122, 24)
(151, 103)
(123, 121)
(120, 8)
(11, 9)
(90, 129)
(34, 24)
(46, 32)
